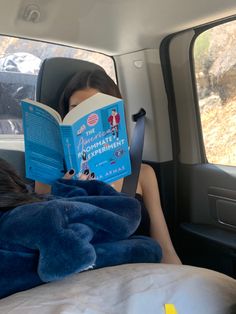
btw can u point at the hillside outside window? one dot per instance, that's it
(215, 71)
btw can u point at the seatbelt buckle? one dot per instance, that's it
(138, 115)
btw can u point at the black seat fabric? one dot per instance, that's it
(53, 76)
(16, 158)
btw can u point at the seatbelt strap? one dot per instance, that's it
(136, 151)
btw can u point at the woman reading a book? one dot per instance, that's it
(82, 86)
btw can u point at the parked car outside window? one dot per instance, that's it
(20, 61)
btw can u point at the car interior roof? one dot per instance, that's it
(108, 26)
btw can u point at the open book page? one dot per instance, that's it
(50, 110)
(43, 146)
(93, 103)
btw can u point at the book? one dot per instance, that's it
(91, 139)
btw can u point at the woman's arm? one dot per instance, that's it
(158, 227)
(42, 188)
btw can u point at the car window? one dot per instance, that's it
(215, 72)
(20, 61)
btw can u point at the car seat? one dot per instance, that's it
(53, 76)
(16, 158)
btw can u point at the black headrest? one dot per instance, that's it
(54, 75)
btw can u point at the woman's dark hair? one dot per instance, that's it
(13, 189)
(97, 79)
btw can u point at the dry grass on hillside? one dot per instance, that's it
(219, 131)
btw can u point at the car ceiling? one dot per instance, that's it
(109, 26)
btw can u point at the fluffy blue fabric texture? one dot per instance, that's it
(83, 225)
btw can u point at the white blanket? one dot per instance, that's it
(132, 289)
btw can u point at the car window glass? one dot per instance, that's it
(20, 60)
(215, 72)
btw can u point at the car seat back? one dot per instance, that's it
(53, 76)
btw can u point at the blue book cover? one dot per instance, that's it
(44, 155)
(92, 140)
(97, 143)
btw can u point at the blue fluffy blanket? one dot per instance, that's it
(85, 224)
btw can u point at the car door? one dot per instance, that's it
(204, 143)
